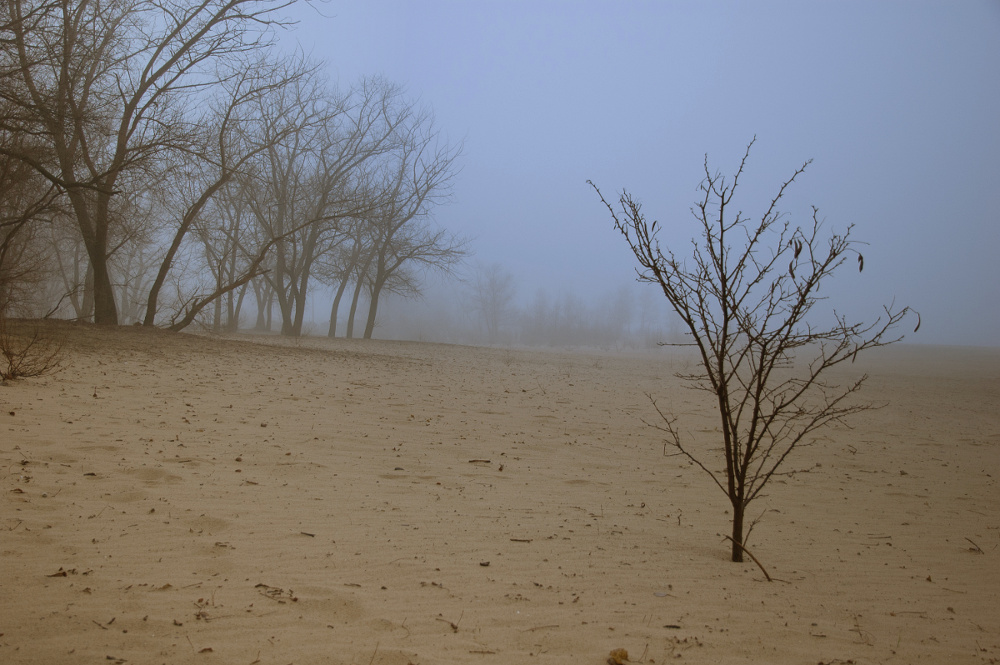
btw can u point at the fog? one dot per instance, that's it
(451, 309)
(895, 102)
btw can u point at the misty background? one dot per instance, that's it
(419, 170)
(896, 103)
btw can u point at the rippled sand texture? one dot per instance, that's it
(183, 499)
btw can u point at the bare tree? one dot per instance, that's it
(746, 296)
(279, 193)
(224, 232)
(25, 353)
(224, 146)
(26, 201)
(362, 256)
(106, 85)
(417, 178)
(320, 176)
(72, 268)
(195, 303)
(264, 295)
(396, 258)
(536, 321)
(349, 259)
(492, 293)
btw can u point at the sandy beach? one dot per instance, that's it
(172, 498)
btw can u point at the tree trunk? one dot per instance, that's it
(94, 226)
(230, 306)
(261, 324)
(269, 310)
(260, 292)
(284, 294)
(217, 312)
(300, 302)
(105, 310)
(373, 309)
(87, 308)
(286, 305)
(354, 309)
(355, 254)
(296, 329)
(334, 310)
(199, 304)
(738, 510)
(161, 274)
(233, 322)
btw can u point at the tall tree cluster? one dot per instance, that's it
(161, 161)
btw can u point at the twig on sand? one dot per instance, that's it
(453, 624)
(373, 654)
(750, 554)
(978, 550)
(863, 635)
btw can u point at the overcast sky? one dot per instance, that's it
(897, 103)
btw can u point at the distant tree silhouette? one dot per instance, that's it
(492, 293)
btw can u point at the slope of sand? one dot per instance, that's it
(182, 499)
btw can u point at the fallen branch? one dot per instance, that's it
(978, 550)
(750, 554)
(453, 624)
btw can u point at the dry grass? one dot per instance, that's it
(27, 351)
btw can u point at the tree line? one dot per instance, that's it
(163, 162)
(493, 306)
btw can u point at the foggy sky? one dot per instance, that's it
(897, 103)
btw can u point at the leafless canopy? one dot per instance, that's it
(104, 88)
(747, 295)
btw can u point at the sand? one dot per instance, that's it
(188, 499)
